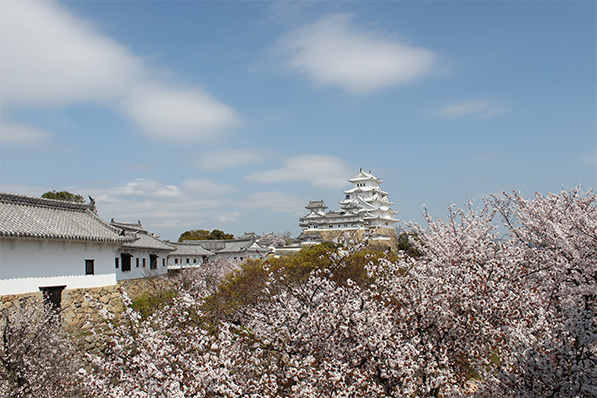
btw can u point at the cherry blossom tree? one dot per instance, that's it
(481, 309)
(37, 358)
(559, 235)
(271, 239)
(167, 354)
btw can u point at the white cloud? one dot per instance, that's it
(179, 114)
(207, 188)
(276, 201)
(51, 57)
(480, 108)
(146, 190)
(334, 52)
(324, 172)
(22, 135)
(216, 160)
(228, 217)
(190, 204)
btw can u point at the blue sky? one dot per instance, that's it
(232, 115)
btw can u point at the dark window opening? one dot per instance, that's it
(137, 259)
(89, 267)
(126, 261)
(52, 296)
(175, 261)
(153, 261)
(163, 262)
(143, 262)
(116, 262)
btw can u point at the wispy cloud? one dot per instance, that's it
(195, 203)
(335, 52)
(480, 108)
(54, 58)
(21, 135)
(216, 160)
(276, 201)
(189, 204)
(324, 172)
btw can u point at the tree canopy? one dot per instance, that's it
(63, 195)
(203, 234)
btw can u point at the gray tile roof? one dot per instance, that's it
(145, 240)
(229, 245)
(31, 217)
(236, 246)
(189, 249)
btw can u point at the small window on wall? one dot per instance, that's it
(144, 262)
(116, 262)
(137, 262)
(175, 261)
(163, 262)
(153, 261)
(89, 267)
(126, 261)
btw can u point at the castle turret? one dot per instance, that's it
(366, 205)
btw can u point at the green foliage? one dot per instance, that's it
(63, 195)
(147, 303)
(240, 288)
(244, 287)
(202, 234)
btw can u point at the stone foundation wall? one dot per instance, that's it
(330, 235)
(80, 306)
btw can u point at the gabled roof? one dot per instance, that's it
(316, 204)
(127, 225)
(249, 235)
(145, 240)
(310, 237)
(38, 218)
(364, 176)
(236, 246)
(230, 245)
(189, 249)
(365, 189)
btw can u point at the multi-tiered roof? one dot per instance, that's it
(365, 205)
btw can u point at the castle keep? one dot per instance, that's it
(365, 208)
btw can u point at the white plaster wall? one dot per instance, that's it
(25, 265)
(182, 261)
(139, 272)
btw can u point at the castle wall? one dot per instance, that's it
(28, 264)
(81, 307)
(388, 235)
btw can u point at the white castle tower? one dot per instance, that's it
(366, 206)
(369, 201)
